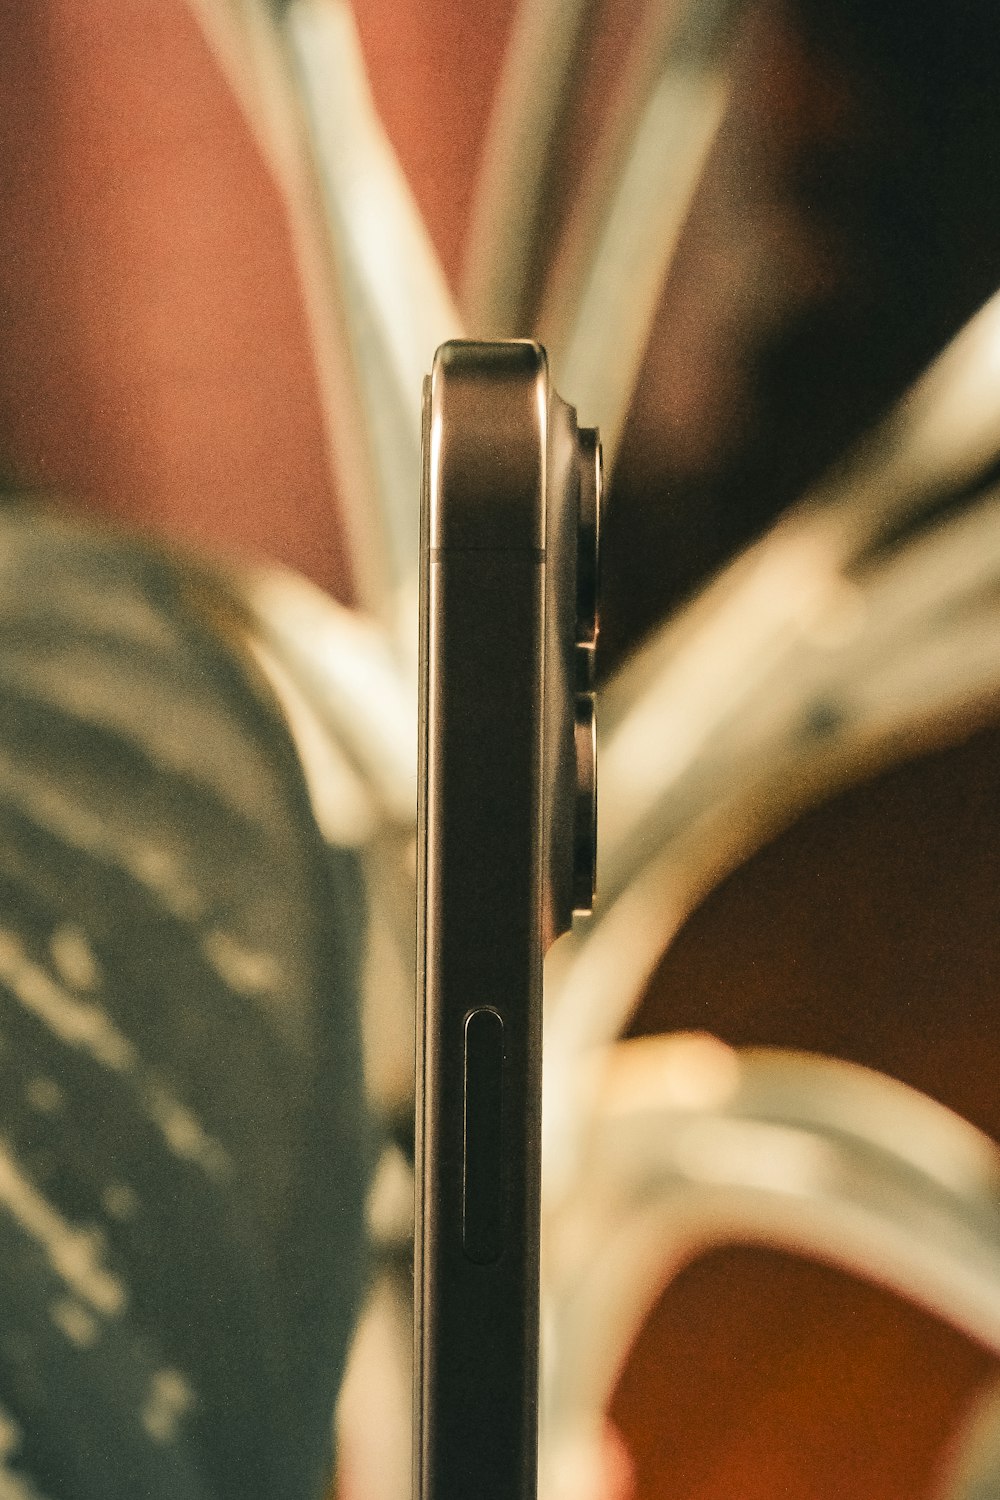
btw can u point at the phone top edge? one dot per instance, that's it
(486, 482)
(491, 354)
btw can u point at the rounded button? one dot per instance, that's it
(482, 1196)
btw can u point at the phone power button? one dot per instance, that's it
(482, 1199)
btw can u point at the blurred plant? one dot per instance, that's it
(863, 626)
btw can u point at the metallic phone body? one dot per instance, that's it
(505, 853)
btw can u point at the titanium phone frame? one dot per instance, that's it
(506, 833)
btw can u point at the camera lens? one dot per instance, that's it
(588, 533)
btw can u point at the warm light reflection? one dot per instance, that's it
(684, 1071)
(948, 429)
(753, 1154)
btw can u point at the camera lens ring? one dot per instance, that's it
(590, 466)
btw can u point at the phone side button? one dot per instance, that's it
(482, 1199)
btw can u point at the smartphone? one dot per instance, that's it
(506, 852)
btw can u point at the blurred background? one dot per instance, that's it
(230, 232)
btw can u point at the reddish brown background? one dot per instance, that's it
(154, 367)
